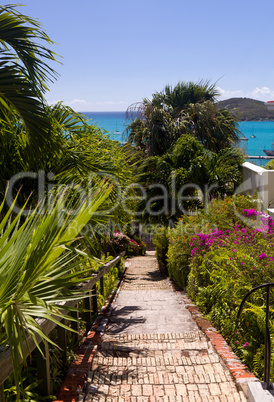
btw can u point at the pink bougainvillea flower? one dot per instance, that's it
(249, 212)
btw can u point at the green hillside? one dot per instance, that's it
(247, 109)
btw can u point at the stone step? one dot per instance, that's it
(152, 360)
(201, 374)
(166, 337)
(144, 346)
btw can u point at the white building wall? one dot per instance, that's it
(258, 180)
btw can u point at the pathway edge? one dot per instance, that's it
(245, 381)
(71, 389)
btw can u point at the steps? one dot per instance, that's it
(159, 367)
(152, 349)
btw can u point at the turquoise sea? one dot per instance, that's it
(115, 124)
(264, 133)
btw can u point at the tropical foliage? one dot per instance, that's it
(68, 175)
(224, 267)
(269, 165)
(161, 242)
(187, 108)
(190, 154)
(117, 242)
(24, 73)
(78, 154)
(40, 266)
(219, 256)
(173, 181)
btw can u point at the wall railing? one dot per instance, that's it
(267, 345)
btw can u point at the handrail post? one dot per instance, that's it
(43, 368)
(2, 395)
(267, 352)
(102, 286)
(75, 325)
(94, 301)
(88, 313)
(62, 342)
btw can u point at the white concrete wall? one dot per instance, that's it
(258, 180)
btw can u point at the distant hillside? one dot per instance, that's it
(247, 109)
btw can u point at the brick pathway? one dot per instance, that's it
(152, 350)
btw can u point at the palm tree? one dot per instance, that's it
(182, 94)
(188, 166)
(24, 72)
(215, 129)
(188, 108)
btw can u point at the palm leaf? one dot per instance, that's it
(22, 38)
(38, 271)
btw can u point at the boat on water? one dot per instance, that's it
(253, 135)
(116, 132)
(269, 152)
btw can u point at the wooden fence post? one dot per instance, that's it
(94, 301)
(62, 342)
(2, 395)
(75, 325)
(88, 314)
(43, 369)
(102, 286)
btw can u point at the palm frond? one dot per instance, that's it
(37, 269)
(22, 38)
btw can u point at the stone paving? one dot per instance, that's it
(152, 350)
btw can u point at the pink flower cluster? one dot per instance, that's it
(201, 243)
(267, 223)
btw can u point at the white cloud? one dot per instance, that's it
(76, 101)
(263, 94)
(262, 91)
(226, 94)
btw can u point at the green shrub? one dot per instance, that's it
(161, 242)
(226, 265)
(117, 242)
(220, 214)
(220, 255)
(179, 250)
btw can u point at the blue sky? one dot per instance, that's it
(117, 52)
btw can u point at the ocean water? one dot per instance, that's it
(264, 132)
(115, 124)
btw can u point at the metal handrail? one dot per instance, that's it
(267, 351)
